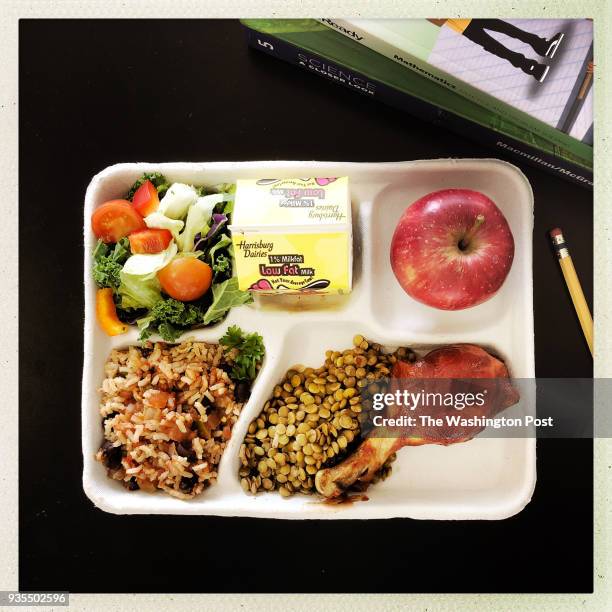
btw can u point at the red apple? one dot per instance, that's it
(452, 249)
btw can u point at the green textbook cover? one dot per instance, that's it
(529, 70)
(317, 48)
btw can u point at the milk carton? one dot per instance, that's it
(293, 235)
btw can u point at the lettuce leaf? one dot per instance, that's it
(225, 296)
(177, 201)
(198, 220)
(145, 264)
(138, 291)
(139, 286)
(160, 221)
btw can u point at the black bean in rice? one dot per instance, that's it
(168, 412)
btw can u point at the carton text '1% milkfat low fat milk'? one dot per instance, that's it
(293, 235)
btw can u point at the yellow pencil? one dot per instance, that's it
(573, 285)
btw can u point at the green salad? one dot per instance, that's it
(164, 258)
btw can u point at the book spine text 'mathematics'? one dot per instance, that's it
(371, 88)
(412, 61)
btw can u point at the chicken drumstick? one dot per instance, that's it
(448, 364)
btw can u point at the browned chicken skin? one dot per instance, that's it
(449, 364)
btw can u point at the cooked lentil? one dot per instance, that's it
(312, 419)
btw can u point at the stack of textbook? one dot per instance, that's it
(463, 75)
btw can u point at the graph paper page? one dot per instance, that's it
(468, 61)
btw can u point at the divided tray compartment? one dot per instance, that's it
(486, 478)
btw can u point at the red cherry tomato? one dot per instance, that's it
(185, 278)
(115, 219)
(150, 240)
(145, 199)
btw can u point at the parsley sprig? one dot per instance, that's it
(250, 352)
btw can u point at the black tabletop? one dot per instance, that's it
(93, 93)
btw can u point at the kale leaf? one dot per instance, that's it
(169, 318)
(221, 264)
(108, 263)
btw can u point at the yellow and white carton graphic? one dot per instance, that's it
(293, 235)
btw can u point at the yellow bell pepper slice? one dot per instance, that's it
(107, 313)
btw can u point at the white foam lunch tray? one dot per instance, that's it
(486, 478)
